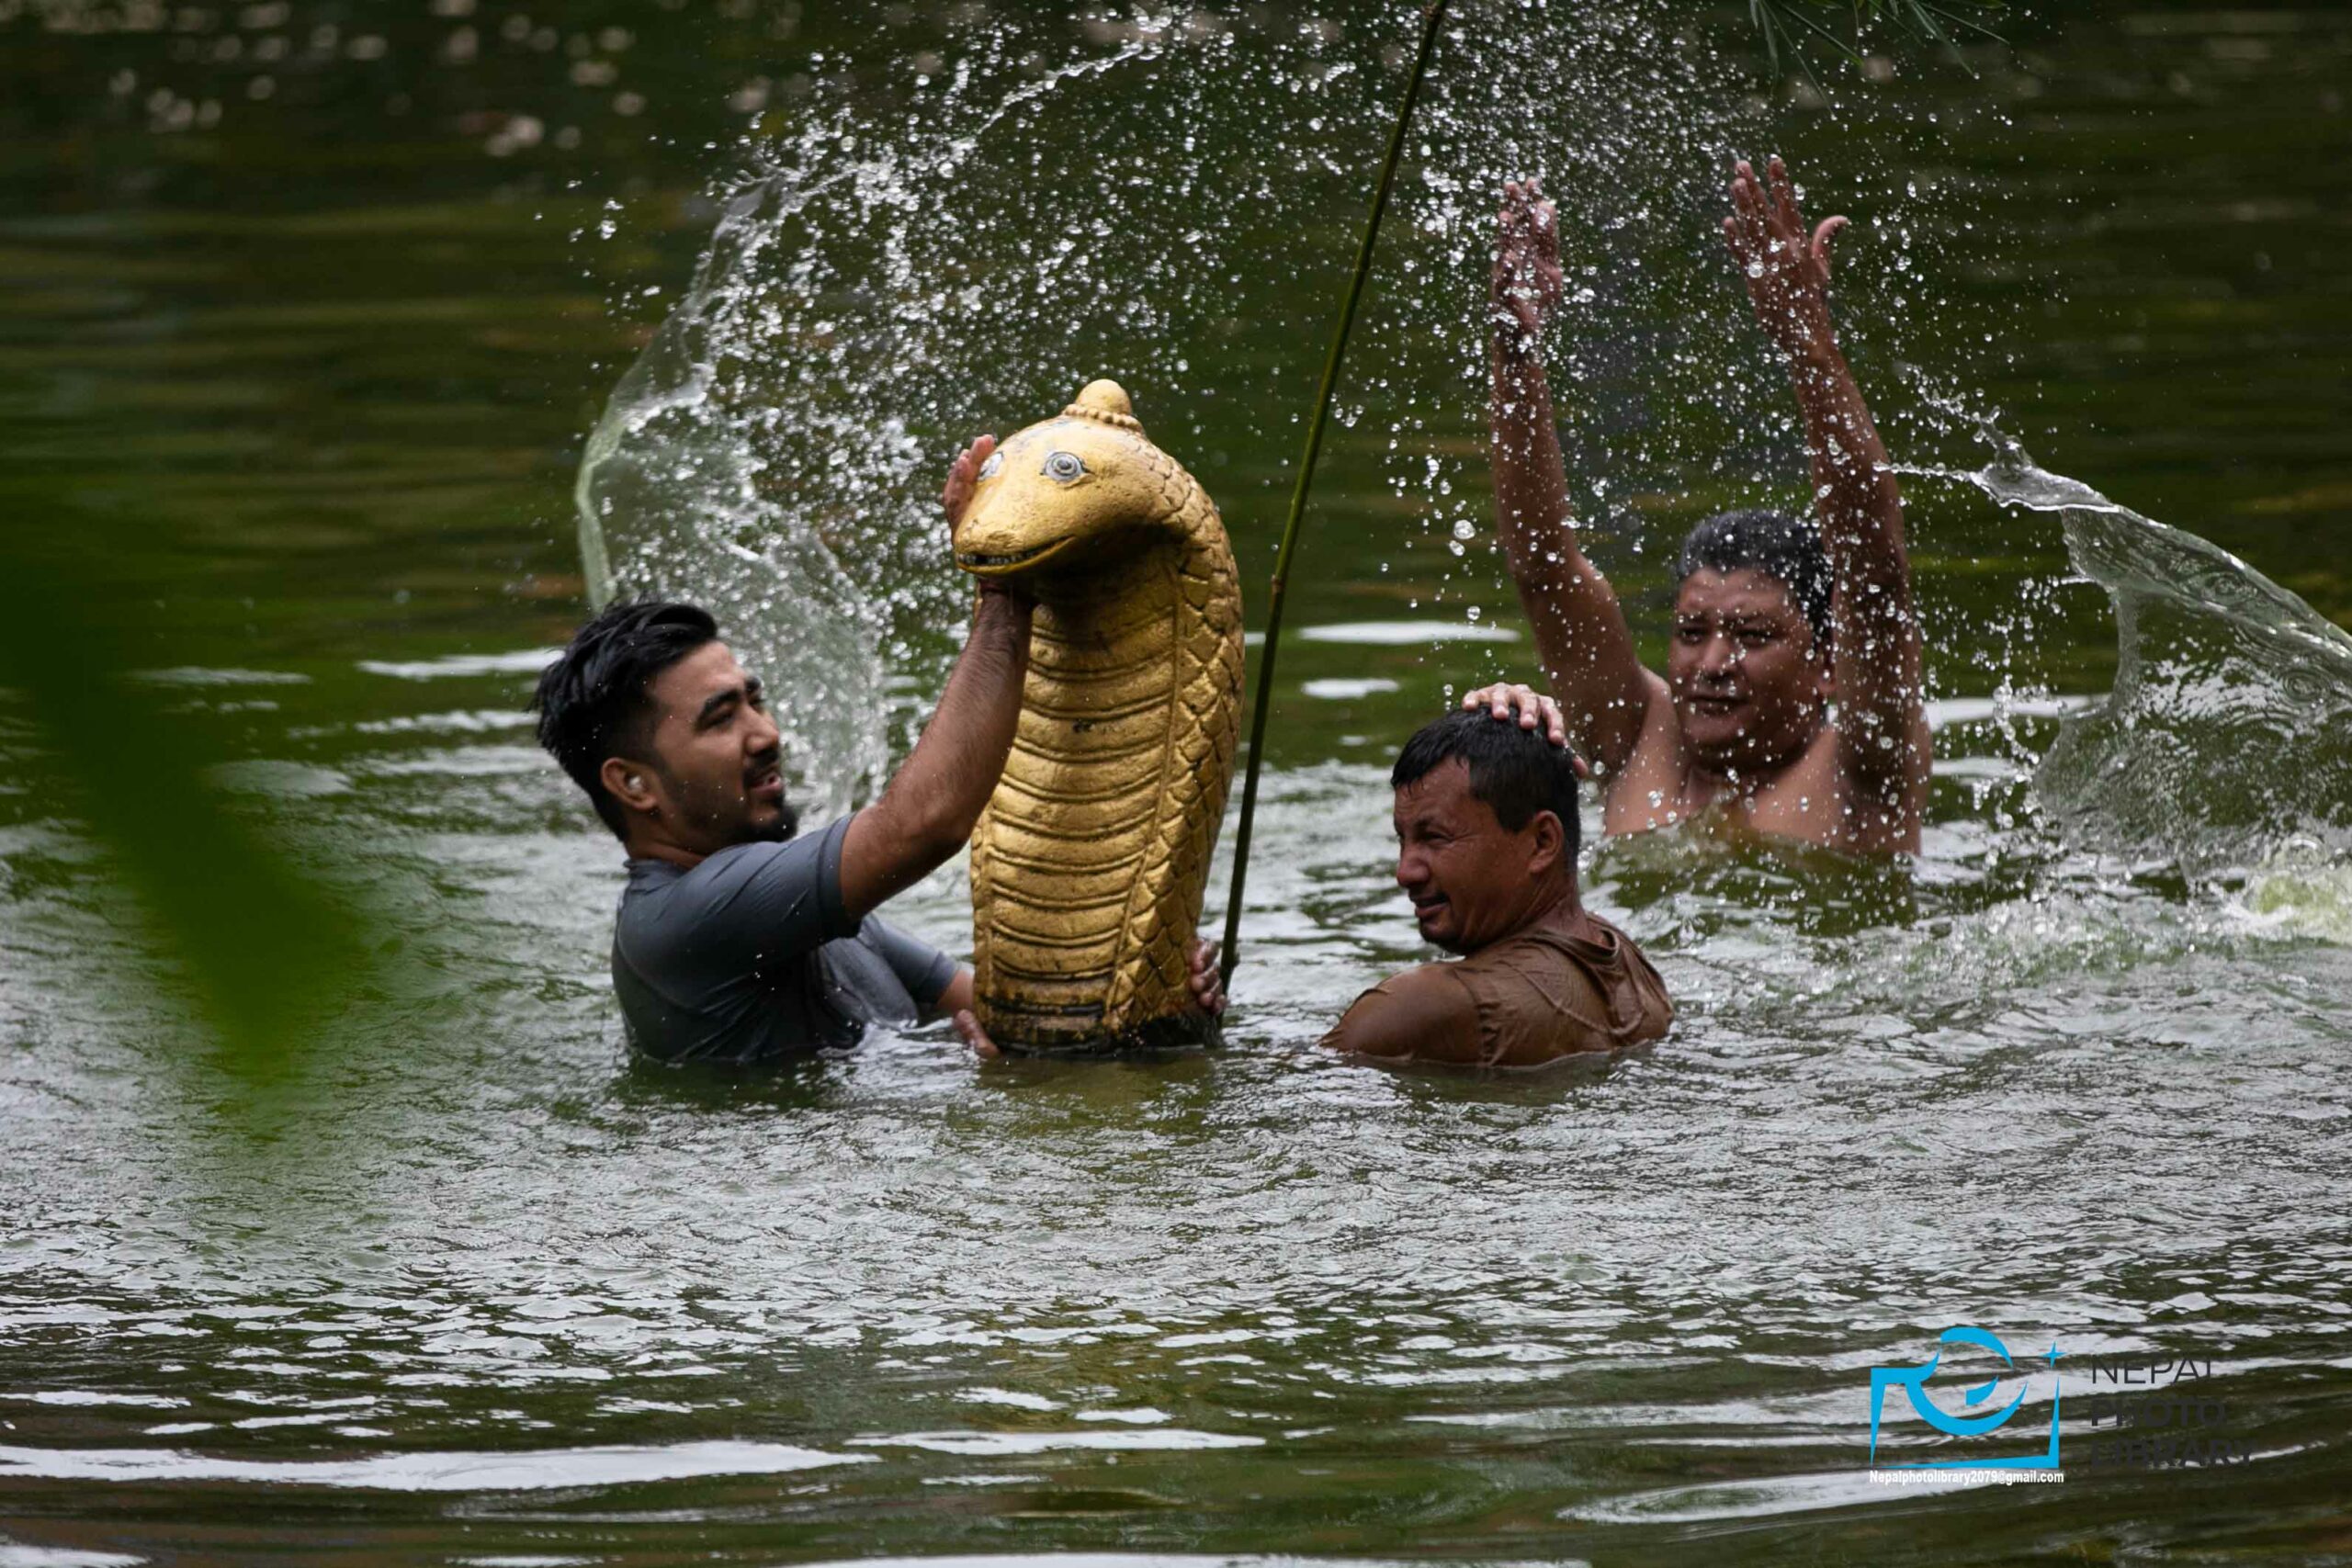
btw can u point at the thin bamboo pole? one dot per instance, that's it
(1263, 702)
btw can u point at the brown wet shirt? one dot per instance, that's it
(1564, 986)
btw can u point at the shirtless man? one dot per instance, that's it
(1774, 619)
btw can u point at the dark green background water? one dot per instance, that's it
(293, 382)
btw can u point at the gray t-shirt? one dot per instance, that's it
(751, 956)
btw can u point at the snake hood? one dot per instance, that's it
(1088, 864)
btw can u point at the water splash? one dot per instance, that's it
(2227, 738)
(757, 456)
(1053, 199)
(763, 455)
(676, 499)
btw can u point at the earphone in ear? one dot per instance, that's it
(636, 781)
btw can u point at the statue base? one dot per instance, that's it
(1161, 1036)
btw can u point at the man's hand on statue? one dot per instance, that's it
(974, 1036)
(963, 477)
(1531, 707)
(1528, 282)
(1787, 268)
(1207, 991)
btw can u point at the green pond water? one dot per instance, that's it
(309, 314)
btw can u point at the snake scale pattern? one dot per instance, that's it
(1088, 864)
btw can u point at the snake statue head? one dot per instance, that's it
(1062, 494)
(1088, 864)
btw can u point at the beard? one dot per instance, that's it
(786, 823)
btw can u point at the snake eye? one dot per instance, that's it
(988, 469)
(1063, 467)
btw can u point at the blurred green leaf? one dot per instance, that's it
(270, 952)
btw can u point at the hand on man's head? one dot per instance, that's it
(1531, 709)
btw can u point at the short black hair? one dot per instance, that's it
(1786, 549)
(595, 701)
(1515, 772)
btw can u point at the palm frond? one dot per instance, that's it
(1785, 25)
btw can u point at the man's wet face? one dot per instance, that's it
(1467, 877)
(718, 754)
(1746, 682)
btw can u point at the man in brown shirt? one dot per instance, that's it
(1487, 837)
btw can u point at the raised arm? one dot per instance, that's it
(927, 812)
(1875, 654)
(1580, 632)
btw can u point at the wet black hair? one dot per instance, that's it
(595, 701)
(1786, 549)
(1515, 772)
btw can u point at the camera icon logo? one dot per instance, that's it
(1912, 1381)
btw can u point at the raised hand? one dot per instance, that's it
(963, 477)
(1528, 282)
(1786, 267)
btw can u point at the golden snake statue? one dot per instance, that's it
(1089, 863)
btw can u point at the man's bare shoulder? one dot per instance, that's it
(1419, 1014)
(1652, 789)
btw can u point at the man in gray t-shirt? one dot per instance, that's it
(750, 954)
(738, 941)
